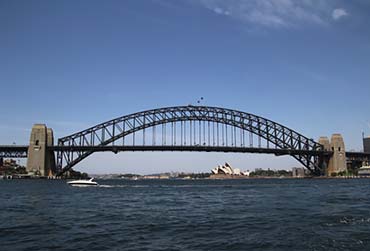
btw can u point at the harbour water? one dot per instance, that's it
(264, 214)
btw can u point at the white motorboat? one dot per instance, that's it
(82, 183)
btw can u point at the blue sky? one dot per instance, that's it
(74, 64)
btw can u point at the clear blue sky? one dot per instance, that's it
(74, 64)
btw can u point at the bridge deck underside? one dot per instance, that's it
(116, 149)
(13, 151)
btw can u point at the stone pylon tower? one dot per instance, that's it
(324, 161)
(40, 161)
(50, 157)
(337, 162)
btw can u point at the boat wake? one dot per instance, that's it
(107, 186)
(120, 186)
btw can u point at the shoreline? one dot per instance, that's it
(212, 177)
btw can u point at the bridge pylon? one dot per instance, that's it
(336, 162)
(324, 159)
(41, 161)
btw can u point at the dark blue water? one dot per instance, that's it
(186, 215)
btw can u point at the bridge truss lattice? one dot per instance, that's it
(194, 128)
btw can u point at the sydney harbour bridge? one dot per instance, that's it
(183, 128)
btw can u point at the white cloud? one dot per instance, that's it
(272, 13)
(221, 11)
(339, 13)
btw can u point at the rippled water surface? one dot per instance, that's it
(274, 214)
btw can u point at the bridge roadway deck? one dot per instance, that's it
(20, 151)
(365, 156)
(173, 148)
(13, 151)
(115, 149)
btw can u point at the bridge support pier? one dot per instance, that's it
(337, 162)
(324, 160)
(41, 161)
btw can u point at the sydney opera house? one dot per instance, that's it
(228, 170)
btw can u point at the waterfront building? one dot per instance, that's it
(10, 167)
(236, 171)
(9, 162)
(366, 142)
(298, 172)
(226, 169)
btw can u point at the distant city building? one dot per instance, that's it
(228, 170)
(366, 144)
(298, 172)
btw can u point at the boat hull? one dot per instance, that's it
(82, 183)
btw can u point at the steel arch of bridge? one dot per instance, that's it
(108, 133)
